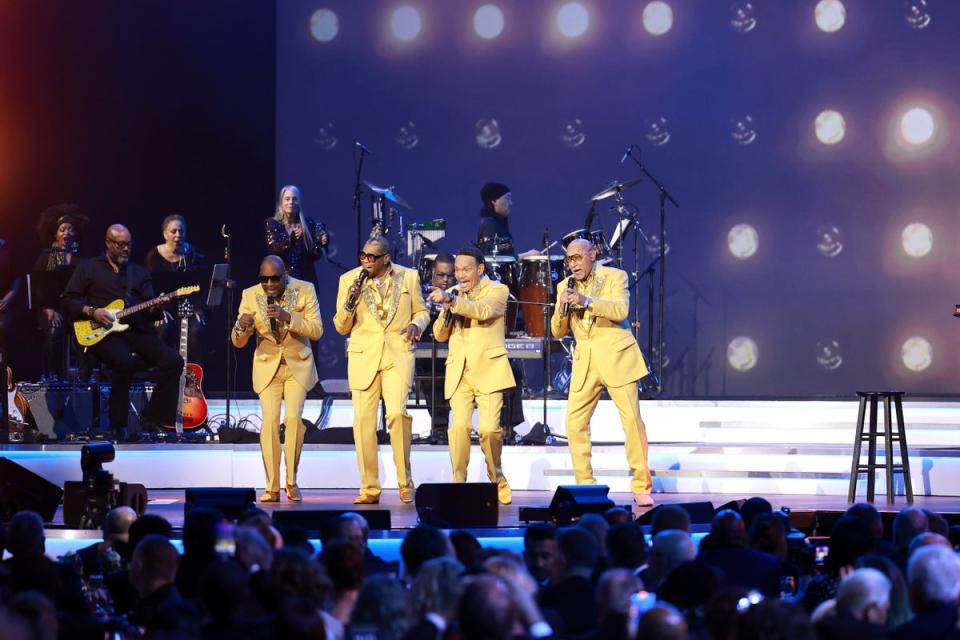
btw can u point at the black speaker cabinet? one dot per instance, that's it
(573, 500)
(454, 505)
(231, 501)
(23, 490)
(314, 519)
(700, 512)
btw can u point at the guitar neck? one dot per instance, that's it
(139, 307)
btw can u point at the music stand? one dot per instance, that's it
(218, 283)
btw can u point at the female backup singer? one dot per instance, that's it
(299, 241)
(59, 229)
(176, 254)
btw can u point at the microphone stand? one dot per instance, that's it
(357, 193)
(664, 196)
(228, 284)
(547, 340)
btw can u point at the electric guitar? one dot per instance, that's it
(191, 405)
(90, 333)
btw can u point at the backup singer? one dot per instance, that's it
(606, 355)
(284, 315)
(98, 282)
(380, 306)
(286, 236)
(442, 277)
(477, 368)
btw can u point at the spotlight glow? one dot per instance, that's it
(917, 353)
(573, 20)
(830, 15)
(917, 240)
(743, 353)
(916, 125)
(830, 127)
(657, 18)
(743, 241)
(324, 25)
(488, 21)
(406, 23)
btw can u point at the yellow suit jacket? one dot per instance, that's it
(602, 332)
(300, 301)
(477, 339)
(372, 330)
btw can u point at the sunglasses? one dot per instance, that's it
(574, 259)
(266, 279)
(121, 245)
(370, 257)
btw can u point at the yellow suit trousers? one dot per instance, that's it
(394, 386)
(463, 401)
(580, 407)
(282, 389)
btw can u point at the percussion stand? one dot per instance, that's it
(547, 339)
(664, 196)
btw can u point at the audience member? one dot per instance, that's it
(467, 548)
(741, 567)
(907, 525)
(423, 543)
(849, 540)
(662, 622)
(487, 610)
(570, 594)
(345, 568)
(230, 609)
(690, 587)
(355, 528)
(200, 527)
(540, 551)
(669, 516)
(860, 609)
(383, 605)
(670, 548)
(153, 573)
(627, 547)
(933, 579)
(110, 554)
(613, 603)
(753, 507)
(435, 594)
(936, 523)
(899, 611)
(296, 574)
(617, 515)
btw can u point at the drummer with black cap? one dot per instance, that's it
(493, 235)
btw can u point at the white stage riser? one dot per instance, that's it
(703, 422)
(677, 469)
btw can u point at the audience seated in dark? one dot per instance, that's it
(570, 594)
(873, 521)
(122, 593)
(690, 587)
(199, 548)
(467, 548)
(860, 610)
(487, 610)
(111, 553)
(936, 523)
(753, 507)
(933, 579)
(383, 604)
(669, 549)
(297, 537)
(423, 543)
(617, 515)
(39, 613)
(354, 527)
(230, 610)
(669, 516)
(848, 541)
(613, 603)
(296, 574)
(899, 611)
(627, 546)
(344, 564)
(153, 572)
(776, 620)
(435, 594)
(741, 567)
(540, 551)
(662, 622)
(907, 525)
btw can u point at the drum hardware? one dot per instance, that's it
(504, 270)
(664, 195)
(615, 188)
(388, 194)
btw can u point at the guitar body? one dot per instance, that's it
(194, 406)
(90, 333)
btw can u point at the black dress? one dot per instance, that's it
(293, 251)
(170, 331)
(52, 339)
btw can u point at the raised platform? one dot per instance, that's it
(702, 447)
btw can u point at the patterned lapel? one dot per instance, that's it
(286, 302)
(585, 318)
(393, 299)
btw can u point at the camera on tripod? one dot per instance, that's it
(87, 502)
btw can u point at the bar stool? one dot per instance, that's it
(889, 436)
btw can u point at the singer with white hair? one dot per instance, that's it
(380, 306)
(284, 315)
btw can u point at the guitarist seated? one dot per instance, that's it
(95, 284)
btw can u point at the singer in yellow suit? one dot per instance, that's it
(380, 306)
(477, 370)
(606, 355)
(284, 315)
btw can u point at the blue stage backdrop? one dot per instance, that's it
(811, 145)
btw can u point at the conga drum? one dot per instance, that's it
(538, 276)
(503, 269)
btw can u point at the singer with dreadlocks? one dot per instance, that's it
(380, 306)
(284, 314)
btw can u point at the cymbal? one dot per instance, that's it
(389, 194)
(616, 188)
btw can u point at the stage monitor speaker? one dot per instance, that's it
(23, 490)
(454, 505)
(75, 498)
(232, 502)
(571, 501)
(314, 519)
(699, 512)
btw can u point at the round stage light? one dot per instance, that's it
(743, 241)
(916, 125)
(742, 353)
(830, 127)
(917, 239)
(406, 136)
(830, 15)
(406, 23)
(487, 133)
(742, 130)
(488, 21)
(573, 20)
(917, 353)
(324, 25)
(573, 134)
(657, 18)
(656, 131)
(327, 136)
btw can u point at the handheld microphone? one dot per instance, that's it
(626, 154)
(352, 299)
(566, 306)
(362, 147)
(273, 321)
(74, 247)
(450, 314)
